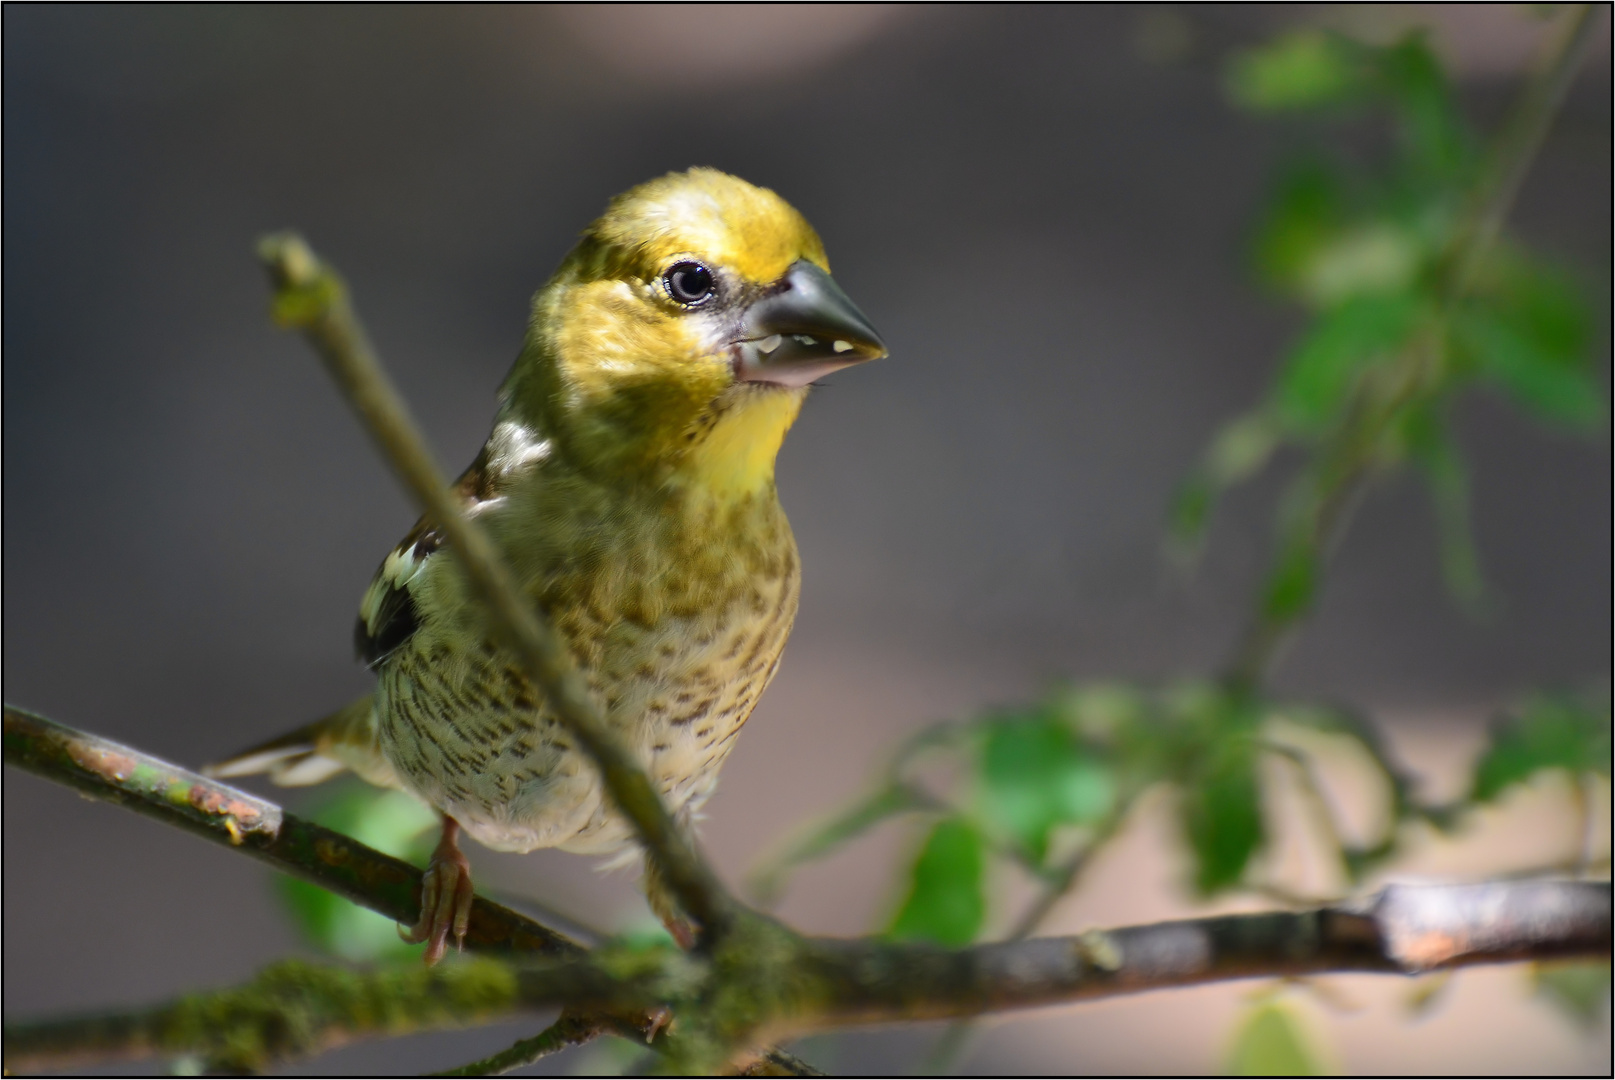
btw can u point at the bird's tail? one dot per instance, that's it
(344, 740)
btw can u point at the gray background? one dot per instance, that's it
(1043, 209)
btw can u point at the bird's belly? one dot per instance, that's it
(468, 734)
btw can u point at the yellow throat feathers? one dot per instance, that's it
(737, 455)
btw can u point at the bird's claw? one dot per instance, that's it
(446, 896)
(657, 1020)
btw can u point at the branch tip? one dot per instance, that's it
(291, 263)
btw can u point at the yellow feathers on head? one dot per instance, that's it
(652, 353)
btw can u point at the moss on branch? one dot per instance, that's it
(292, 1009)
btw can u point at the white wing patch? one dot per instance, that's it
(388, 614)
(512, 447)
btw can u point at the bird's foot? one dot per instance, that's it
(446, 896)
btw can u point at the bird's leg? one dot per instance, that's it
(446, 896)
(683, 931)
(666, 908)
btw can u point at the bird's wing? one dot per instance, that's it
(388, 615)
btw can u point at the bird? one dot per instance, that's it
(628, 482)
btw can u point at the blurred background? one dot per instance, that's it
(1046, 212)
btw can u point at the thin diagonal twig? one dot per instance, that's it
(310, 297)
(569, 1030)
(1517, 144)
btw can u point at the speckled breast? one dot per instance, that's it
(678, 627)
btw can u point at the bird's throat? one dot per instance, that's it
(734, 456)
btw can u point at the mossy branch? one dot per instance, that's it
(762, 980)
(297, 1008)
(155, 788)
(292, 1009)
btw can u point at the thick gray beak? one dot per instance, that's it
(803, 331)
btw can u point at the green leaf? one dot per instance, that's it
(1242, 447)
(1292, 584)
(1104, 712)
(1308, 210)
(1220, 806)
(389, 821)
(1314, 245)
(1430, 444)
(1548, 733)
(1189, 514)
(1543, 301)
(1318, 378)
(1304, 69)
(1578, 989)
(1371, 258)
(1548, 305)
(1436, 139)
(1271, 1043)
(1535, 358)
(1035, 775)
(945, 903)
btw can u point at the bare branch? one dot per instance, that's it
(310, 297)
(1054, 887)
(1403, 930)
(573, 1029)
(568, 1030)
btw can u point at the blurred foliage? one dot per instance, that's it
(1035, 774)
(1043, 787)
(1271, 1043)
(388, 821)
(1562, 732)
(1406, 310)
(1428, 993)
(1577, 989)
(1382, 233)
(1306, 69)
(945, 904)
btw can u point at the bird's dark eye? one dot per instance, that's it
(689, 283)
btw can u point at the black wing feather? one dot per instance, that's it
(397, 616)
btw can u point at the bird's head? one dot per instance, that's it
(678, 339)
